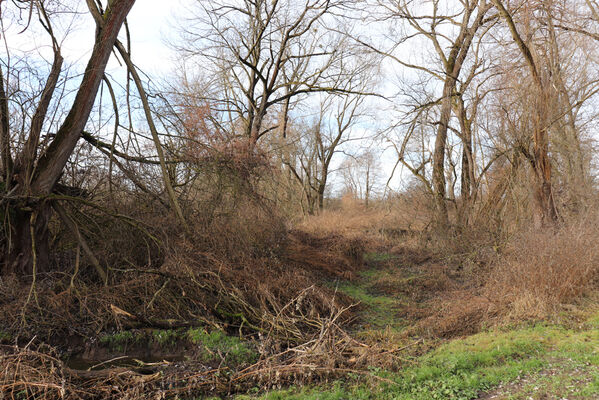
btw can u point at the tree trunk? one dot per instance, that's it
(28, 242)
(546, 211)
(30, 251)
(321, 189)
(439, 155)
(467, 176)
(367, 194)
(255, 131)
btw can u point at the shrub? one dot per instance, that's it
(540, 270)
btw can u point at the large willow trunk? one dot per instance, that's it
(34, 176)
(29, 251)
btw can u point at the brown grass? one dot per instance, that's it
(535, 276)
(378, 226)
(541, 270)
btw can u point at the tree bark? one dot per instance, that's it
(52, 162)
(439, 153)
(453, 68)
(30, 241)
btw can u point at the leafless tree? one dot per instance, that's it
(258, 56)
(361, 175)
(31, 169)
(317, 145)
(451, 29)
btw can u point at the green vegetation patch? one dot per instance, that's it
(118, 341)
(168, 337)
(379, 310)
(378, 290)
(217, 345)
(468, 368)
(213, 346)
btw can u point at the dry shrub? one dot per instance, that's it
(456, 313)
(249, 228)
(535, 275)
(35, 372)
(541, 270)
(330, 353)
(189, 289)
(249, 289)
(29, 374)
(448, 302)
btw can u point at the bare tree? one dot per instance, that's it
(540, 159)
(451, 32)
(314, 151)
(31, 169)
(259, 55)
(361, 175)
(554, 102)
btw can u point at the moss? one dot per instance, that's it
(119, 341)
(167, 337)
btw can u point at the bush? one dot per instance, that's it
(541, 270)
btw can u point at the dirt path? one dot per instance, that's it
(564, 379)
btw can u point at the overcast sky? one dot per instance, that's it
(151, 23)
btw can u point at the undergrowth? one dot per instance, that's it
(212, 346)
(464, 369)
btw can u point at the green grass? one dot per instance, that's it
(517, 362)
(213, 346)
(378, 309)
(375, 257)
(166, 337)
(216, 344)
(380, 306)
(463, 369)
(117, 341)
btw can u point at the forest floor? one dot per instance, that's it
(425, 329)
(558, 359)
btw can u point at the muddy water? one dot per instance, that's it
(80, 362)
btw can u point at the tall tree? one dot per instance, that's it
(545, 206)
(317, 146)
(431, 20)
(262, 54)
(35, 171)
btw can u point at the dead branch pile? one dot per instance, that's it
(37, 372)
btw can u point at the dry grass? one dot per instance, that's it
(535, 276)
(541, 270)
(378, 226)
(36, 372)
(348, 220)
